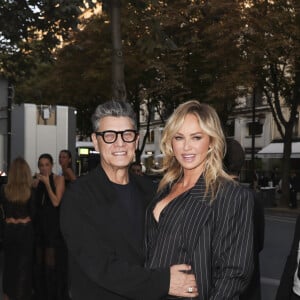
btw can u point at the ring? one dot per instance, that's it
(190, 290)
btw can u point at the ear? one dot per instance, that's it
(95, 141)
(137, 141)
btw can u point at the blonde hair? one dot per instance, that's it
(19, 181)
(210, 124)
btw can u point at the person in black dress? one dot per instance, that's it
(17, 200)
(65, 161)
(49, 282)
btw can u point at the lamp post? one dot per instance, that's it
(253, 136)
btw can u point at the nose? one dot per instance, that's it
(187, 144)
(119, 141)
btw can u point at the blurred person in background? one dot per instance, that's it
(17, 200)
(65, 161)
(49, 274)
(136, 168)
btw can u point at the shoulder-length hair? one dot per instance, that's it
(19, 181)
(210, 124)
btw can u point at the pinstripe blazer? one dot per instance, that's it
(215, 238)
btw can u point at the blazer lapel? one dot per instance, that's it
(197, 212)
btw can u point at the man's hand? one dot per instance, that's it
(182, 283)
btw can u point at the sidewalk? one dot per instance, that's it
(282, 211)
(272, 206)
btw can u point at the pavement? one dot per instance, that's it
(273, 205)
(283, 211)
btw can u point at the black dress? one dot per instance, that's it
(18, 250)
(47, 220)
(50, 249)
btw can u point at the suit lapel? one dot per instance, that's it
(197, 212)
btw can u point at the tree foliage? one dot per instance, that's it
(30, 31)
(272, 47)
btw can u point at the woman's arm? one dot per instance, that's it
(233, 257)
(223, 255)
(59, 186)
(69, 174)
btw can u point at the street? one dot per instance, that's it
(279, 232)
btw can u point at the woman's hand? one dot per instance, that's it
(44, 179)
(182, 282)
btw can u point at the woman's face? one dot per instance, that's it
(64, 159)
(45, 166)
(190, 145)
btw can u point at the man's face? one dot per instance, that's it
(118, 154)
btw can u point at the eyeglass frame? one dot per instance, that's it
(117, 133)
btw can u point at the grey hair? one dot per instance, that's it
(113, 109)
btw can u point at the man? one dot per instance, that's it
(233, 162)
(102, 219)
(289, 287)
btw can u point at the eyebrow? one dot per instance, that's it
(194, 133)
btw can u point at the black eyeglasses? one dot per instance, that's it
(110, 136)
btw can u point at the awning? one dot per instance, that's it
(275, 150)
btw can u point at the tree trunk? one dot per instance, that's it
(118, 83)
(286, 166)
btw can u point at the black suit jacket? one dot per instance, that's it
(105, 259)
(284, 291)
(217, 239)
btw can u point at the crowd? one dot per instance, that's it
(113, 234)
(35, 254)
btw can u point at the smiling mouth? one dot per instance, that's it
(119, 153)
(188, 156)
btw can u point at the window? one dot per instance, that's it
(255, 128)
(150, 138)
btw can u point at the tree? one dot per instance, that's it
(254, 44)
(30, 31)
(272, 48)
(79, 76)
(118, 82)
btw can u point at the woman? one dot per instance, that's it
(49, 191)
(65, 161)
(200, 216)
(18, 205)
